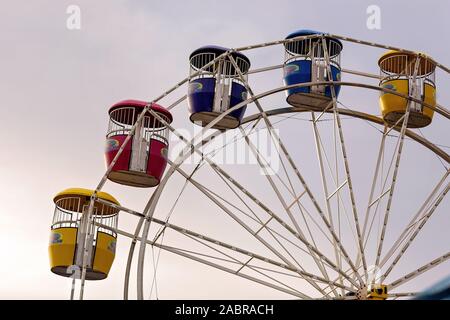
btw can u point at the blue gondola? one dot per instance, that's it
(217, 88)
(305, 62)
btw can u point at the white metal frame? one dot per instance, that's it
(349, 279)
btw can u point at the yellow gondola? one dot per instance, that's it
(67, 233)
(397, 73)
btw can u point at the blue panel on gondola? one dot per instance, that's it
(201, 95)
(297, 72)
(238, 94)
(336, 74)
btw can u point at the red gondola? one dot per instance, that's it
(144, 158)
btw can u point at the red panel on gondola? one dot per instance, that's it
(157, 159)
(112, 147)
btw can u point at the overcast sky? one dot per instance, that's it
(56, 85)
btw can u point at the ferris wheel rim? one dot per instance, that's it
(255, 116)
(357, 115)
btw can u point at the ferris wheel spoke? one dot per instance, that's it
(378, 167)
(263, 225)
(415, 220)
(246, 264)
(227, 176)
(231, 271)
(345, 158)
(255, 234)
(191, 256)
(397, 163)
(371, 201)
(263, 166)
(300, 265)
(186, 232)
(302, 275)
(183, 253)
(419, 271)
(215, 166)
(311, 217)
(385, 189)
(277, 139)
(151, 205)
(208, 256)
(177, 102)
(218, 169)
(237, 137)
(190, 233)
(309, 246)
(263, 163)
(424, 220)
(237, 219)
(327, 196)
(350, 273)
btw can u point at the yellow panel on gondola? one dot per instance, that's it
(392, 106)
(62, 249)
(104, 253)
(430, 99)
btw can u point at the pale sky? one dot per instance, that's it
(56, 86)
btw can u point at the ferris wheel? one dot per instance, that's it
(350, 199)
